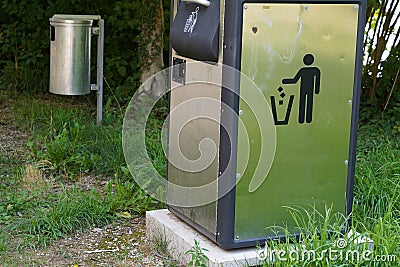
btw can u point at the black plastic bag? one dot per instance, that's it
(195, 31)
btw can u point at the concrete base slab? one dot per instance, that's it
(163, 225)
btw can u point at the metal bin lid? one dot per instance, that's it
(74, 19)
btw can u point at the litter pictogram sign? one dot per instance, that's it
(310, 83)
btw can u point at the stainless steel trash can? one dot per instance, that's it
(296, 145)
(70, 37)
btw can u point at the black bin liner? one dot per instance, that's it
(195, 31)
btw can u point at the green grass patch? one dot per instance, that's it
(65, 143)
(72, 141)
(65, 213)
(377, 181)
(69, 139)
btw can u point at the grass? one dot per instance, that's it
(377, 183)
(65, 144)
(70, 210)
(40, 196)
(376, 212)
(73, 141)
(9, 168)
(377, 188)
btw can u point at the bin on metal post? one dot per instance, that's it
(283, 128)
(70, 55)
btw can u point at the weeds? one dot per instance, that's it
(198, 258)
(128, 197)
(161, 243)
(33, 179)
(164, 250)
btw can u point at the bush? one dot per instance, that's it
(24, 42)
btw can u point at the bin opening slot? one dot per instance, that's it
(52, 33)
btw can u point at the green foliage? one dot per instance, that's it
(163, 247)
(373, 3)
(23, 46)
(377, 186)
(74, 144)
(380, 81)
(66, 141)
(316, 232)
(198, 258)
(3, 245)
(121, 42)
(14, 203)
(322, 243)
(67, 151)
(9, 169)
(24, 42)
(386, 100)
(161, 243)
(126, 197)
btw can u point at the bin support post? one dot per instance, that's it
(100, 53)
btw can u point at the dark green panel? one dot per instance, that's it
(309, 167)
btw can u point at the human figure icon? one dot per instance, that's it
(310, 83)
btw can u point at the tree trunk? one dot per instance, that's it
(151, 46)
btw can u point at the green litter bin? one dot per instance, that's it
(269, 93)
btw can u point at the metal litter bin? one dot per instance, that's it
(70, 52)
(70, 37)
(306, 59)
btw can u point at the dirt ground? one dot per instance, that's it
(118, 244)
